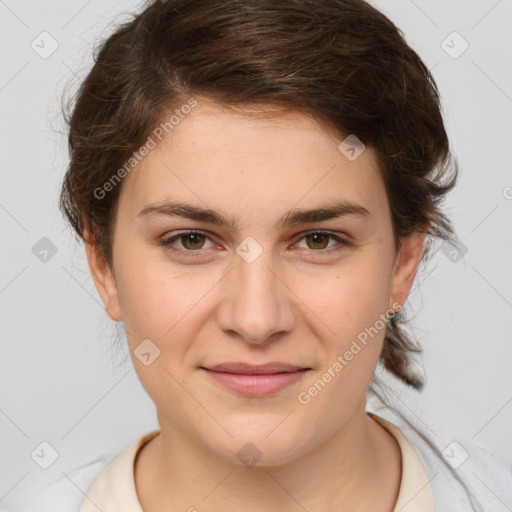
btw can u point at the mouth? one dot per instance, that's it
(256, 380)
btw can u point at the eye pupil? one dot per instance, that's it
(195, 237)
(317, 239)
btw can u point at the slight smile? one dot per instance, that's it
(256, 380)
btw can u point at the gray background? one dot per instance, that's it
(63, 379)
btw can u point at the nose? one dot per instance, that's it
(256, 302)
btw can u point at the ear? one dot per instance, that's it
(406, 266)
(103, 278)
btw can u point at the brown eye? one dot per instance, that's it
(322, 243)
(318, 240)
(192, 241)
(187, 243)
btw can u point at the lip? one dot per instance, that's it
(256, 380)
(256, 369)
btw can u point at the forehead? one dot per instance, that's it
(220, 159)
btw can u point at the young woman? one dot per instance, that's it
(256, 183)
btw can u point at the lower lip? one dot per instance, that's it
(256, 385)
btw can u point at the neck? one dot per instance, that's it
(357, 468)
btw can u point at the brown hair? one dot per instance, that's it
(341, 61)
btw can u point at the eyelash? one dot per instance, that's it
(188, 253)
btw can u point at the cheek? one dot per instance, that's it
(346, 301)
(149, 301)
(350, 321)
(161, 304)
(139, 301)
(351, 327)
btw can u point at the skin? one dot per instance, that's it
(294, 304)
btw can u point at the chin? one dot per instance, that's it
(261, 444)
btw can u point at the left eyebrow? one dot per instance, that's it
(325, 212)
(292, 218)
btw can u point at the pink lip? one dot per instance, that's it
(256, 380)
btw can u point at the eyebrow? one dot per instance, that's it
(292, 218)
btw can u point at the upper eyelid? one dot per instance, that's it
(188, 232)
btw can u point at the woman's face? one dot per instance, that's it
(264, 287)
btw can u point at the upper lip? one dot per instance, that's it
(260, 369)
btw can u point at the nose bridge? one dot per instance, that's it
(257, 305)
(257, 279)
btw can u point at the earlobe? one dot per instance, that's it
(406, 267)
(103, 279)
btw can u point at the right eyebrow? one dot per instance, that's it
(188, 211)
